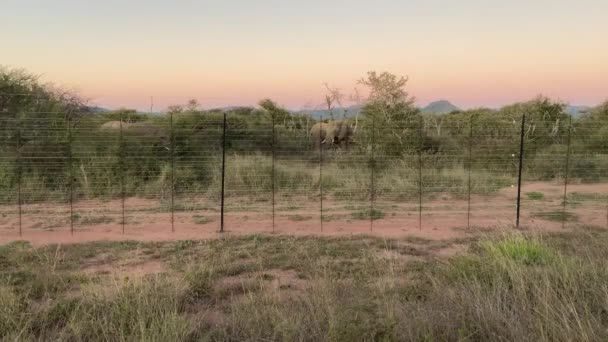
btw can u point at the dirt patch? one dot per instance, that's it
(451, 250)
(273, 281)
(443, 218)
(286, 280)
(106, 265)
(394, 255)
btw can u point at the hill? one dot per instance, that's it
(97, 109)
(338, 113)
(576, 110)
(440, 107)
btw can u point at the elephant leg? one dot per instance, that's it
(316, 143)
(330, 138)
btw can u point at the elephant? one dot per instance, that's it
(337, 132)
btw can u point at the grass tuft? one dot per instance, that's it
(556, 216)
(535, 195)
(374, 214)
(519, 249)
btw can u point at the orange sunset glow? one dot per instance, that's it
(222, 54)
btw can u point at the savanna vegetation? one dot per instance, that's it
(513, 287)
(53, 141)
(508, 287)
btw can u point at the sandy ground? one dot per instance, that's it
(443, 217)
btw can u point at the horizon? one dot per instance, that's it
(472, 53)
(347, 107)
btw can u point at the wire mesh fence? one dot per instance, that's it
(206, 172)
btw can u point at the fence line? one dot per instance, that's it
(373, 160)
(121, 163)
(566, 172)
(521, 165)
(223, 173)
(321, 174)
(272, 176)
(172, 151)
(71, 174)
(19, 173)
(420, 147)
(372, 166)
(469, 171)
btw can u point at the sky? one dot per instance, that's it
(473, 53)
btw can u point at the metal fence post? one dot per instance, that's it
(121, 165)
(567, 171)
(273, 171)
(19, 174)
(321, 173)
(70, 174)
(372, 180)
(172, 174)
(470, 167)
(420, 146)
(223, 174)
(521, 165)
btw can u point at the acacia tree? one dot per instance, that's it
(591, 131)
(34, 119)
(334, 97)
(546, 121)
(272, 110)
(390, 109)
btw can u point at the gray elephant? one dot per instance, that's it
(332, 133)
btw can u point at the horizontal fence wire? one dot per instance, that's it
(204, 172)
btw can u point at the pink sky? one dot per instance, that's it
(473, 53)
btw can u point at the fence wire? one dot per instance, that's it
(206, 172)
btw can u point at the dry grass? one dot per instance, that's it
(511, 287)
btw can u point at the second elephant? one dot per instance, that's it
(338, 133)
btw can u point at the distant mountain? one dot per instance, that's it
(576, 111)
(440, 107)
(232, 108)
(337, 113)
(97, 109)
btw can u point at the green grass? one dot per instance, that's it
(519, 249)
(299, 218)
(578, 197)
(90, 220)
(556, 216)
(373, 214)
(248, 176)
(200, 219)
(535, 195)
(511, 287)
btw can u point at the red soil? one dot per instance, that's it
(442, 218)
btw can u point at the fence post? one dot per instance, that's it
(121, 165)
(19, 172)
(321, 172)
(470, 164)
(307, 130)
(372, 180)
(273, 171)
(70, 173)
(172, 174)
(521, 165)
(567, 172)
(420, 146)
(223, 174)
